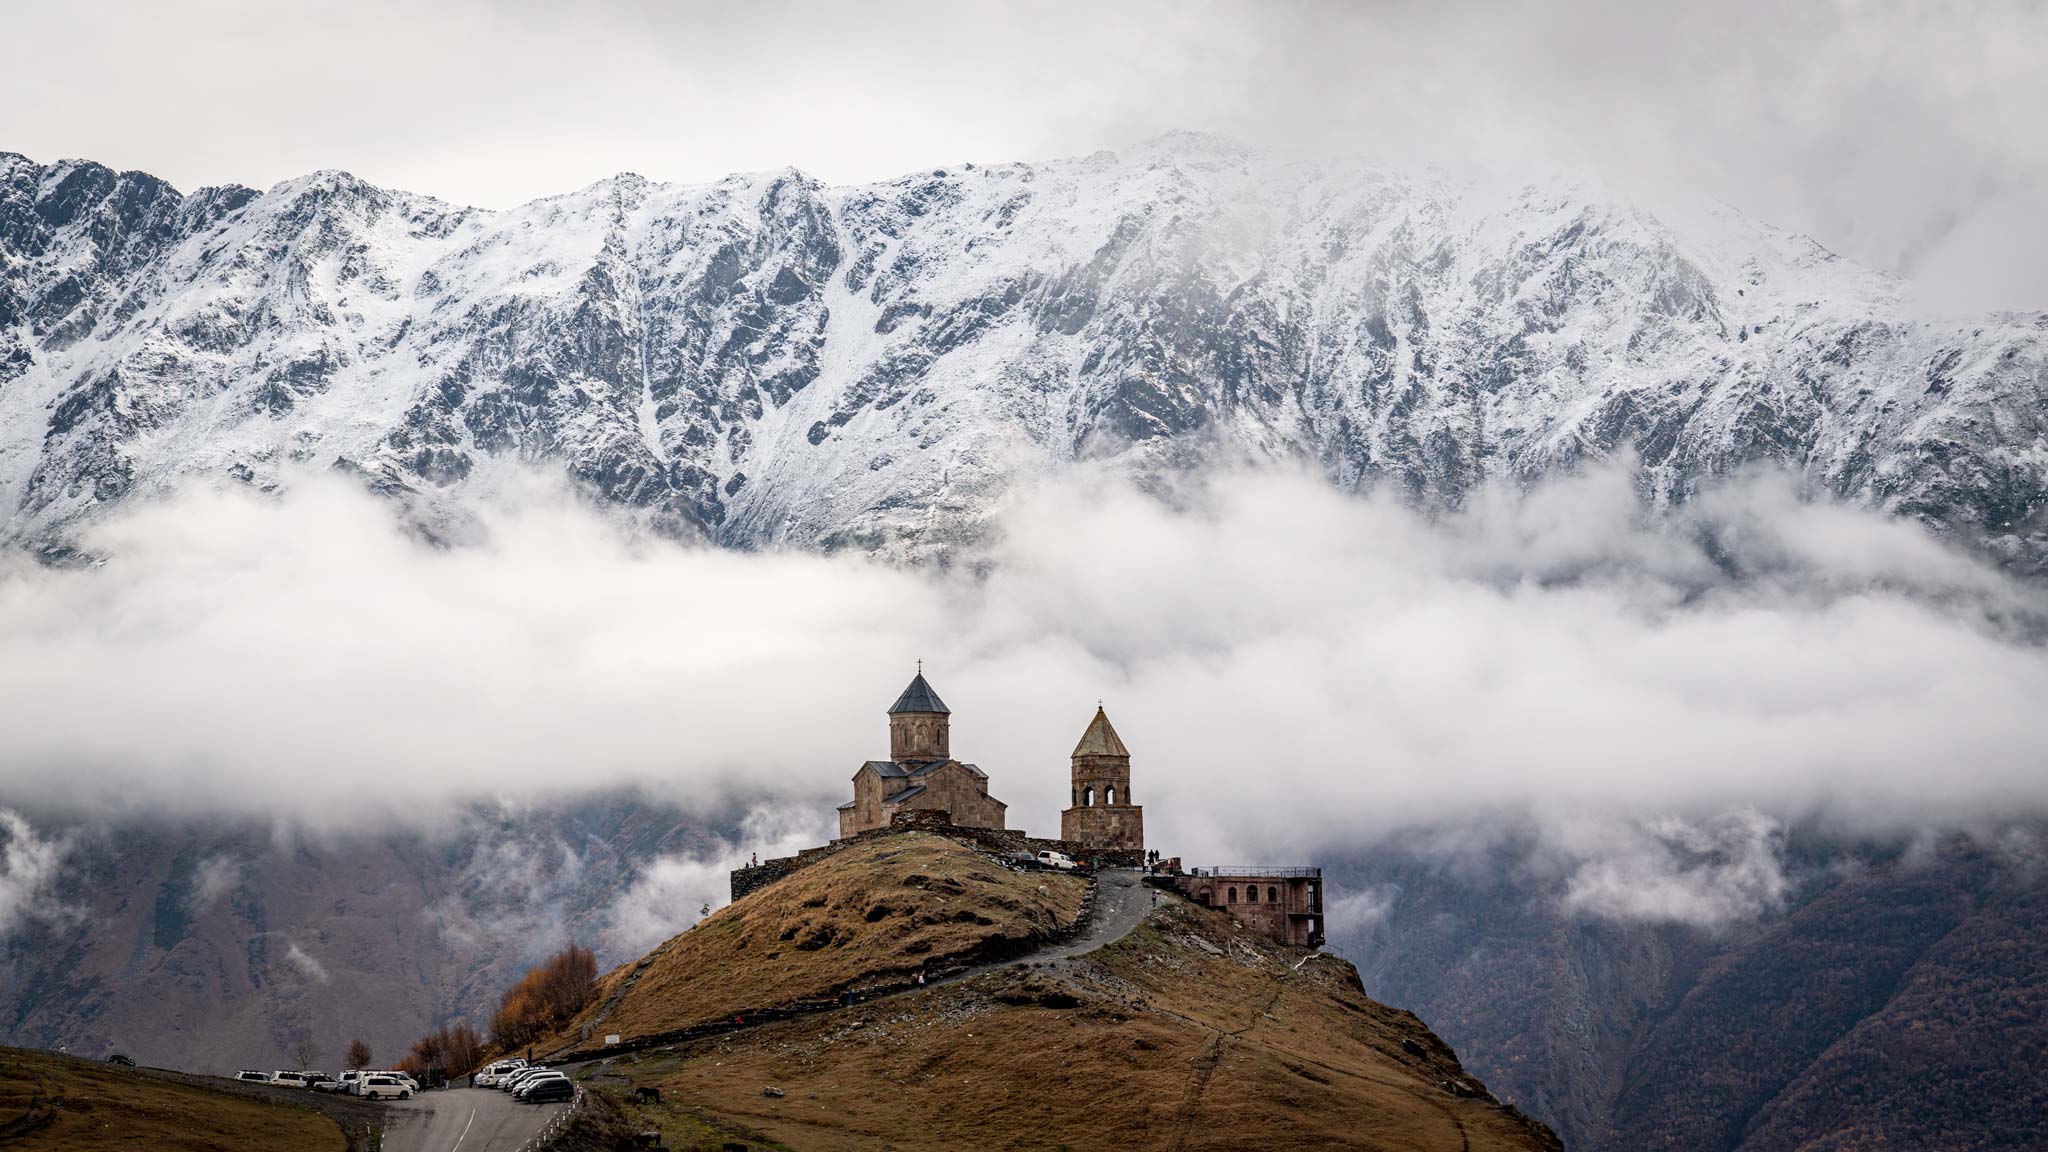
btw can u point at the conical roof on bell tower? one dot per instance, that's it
(1100, 739)
(919, 697)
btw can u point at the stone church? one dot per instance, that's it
(920, 773)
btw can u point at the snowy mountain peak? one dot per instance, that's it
(769, 359)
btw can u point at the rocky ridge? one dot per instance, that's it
(769, 360)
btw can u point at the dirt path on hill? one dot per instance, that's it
(1121, 902)
(1205, 1069)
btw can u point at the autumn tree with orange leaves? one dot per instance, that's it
(444, 1053)
(546, 997)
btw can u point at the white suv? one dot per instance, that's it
(1059, 860)
(378, 1086)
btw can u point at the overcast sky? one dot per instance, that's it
(1911, 137)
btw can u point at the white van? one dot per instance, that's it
(1059, 860)
(289, 1079)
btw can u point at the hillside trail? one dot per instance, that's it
(1121, 903)
(1205, 1070)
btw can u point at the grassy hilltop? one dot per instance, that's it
(873, 914)
(1188, 1033)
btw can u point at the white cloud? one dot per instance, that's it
(1355, 912)
(1706, 873)
(672, 892)
(308, 967)
(215, 877)
(1294, 667)
(28, 872)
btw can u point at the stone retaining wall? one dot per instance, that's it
(753, 878)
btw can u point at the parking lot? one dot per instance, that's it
(462, 1120)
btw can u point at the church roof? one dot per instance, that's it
(1100, 739)
(919, 697)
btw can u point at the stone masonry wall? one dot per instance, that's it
(999, 840)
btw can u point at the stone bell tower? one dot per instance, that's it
(1103, 815)
(918, 724)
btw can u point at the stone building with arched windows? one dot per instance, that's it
(1285, 904)
(920, 773)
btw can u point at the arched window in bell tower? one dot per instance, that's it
(1087, 797)
(1109, 795)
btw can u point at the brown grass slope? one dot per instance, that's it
(873, 914)
(53, 1103)
(1190, 1033)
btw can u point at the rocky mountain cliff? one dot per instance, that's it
(1896, 999)
(769, 359)
(212, 945)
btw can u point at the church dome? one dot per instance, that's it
(919, 697)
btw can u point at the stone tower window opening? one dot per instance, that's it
(1109, 795)
(1088, 797)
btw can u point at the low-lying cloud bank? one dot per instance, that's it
(1293, 667)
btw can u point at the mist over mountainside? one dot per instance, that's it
(1769, 987)
(212, 944)
(770, 360)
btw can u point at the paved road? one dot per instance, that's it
(463, 1120)
(1121, 902)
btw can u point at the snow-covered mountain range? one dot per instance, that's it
(768, 359)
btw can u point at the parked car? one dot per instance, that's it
(401, 1077)
(489, 1075)
(548, 1090)
(382, 1087)
(511, 1083)
(290, 1079)
(347, 1082)
(322, 1082)
(123, 1061)
(253, 1076)
(1059, 860)
(533, 1082)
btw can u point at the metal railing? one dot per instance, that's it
(560, 1120)
(1261, 873)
